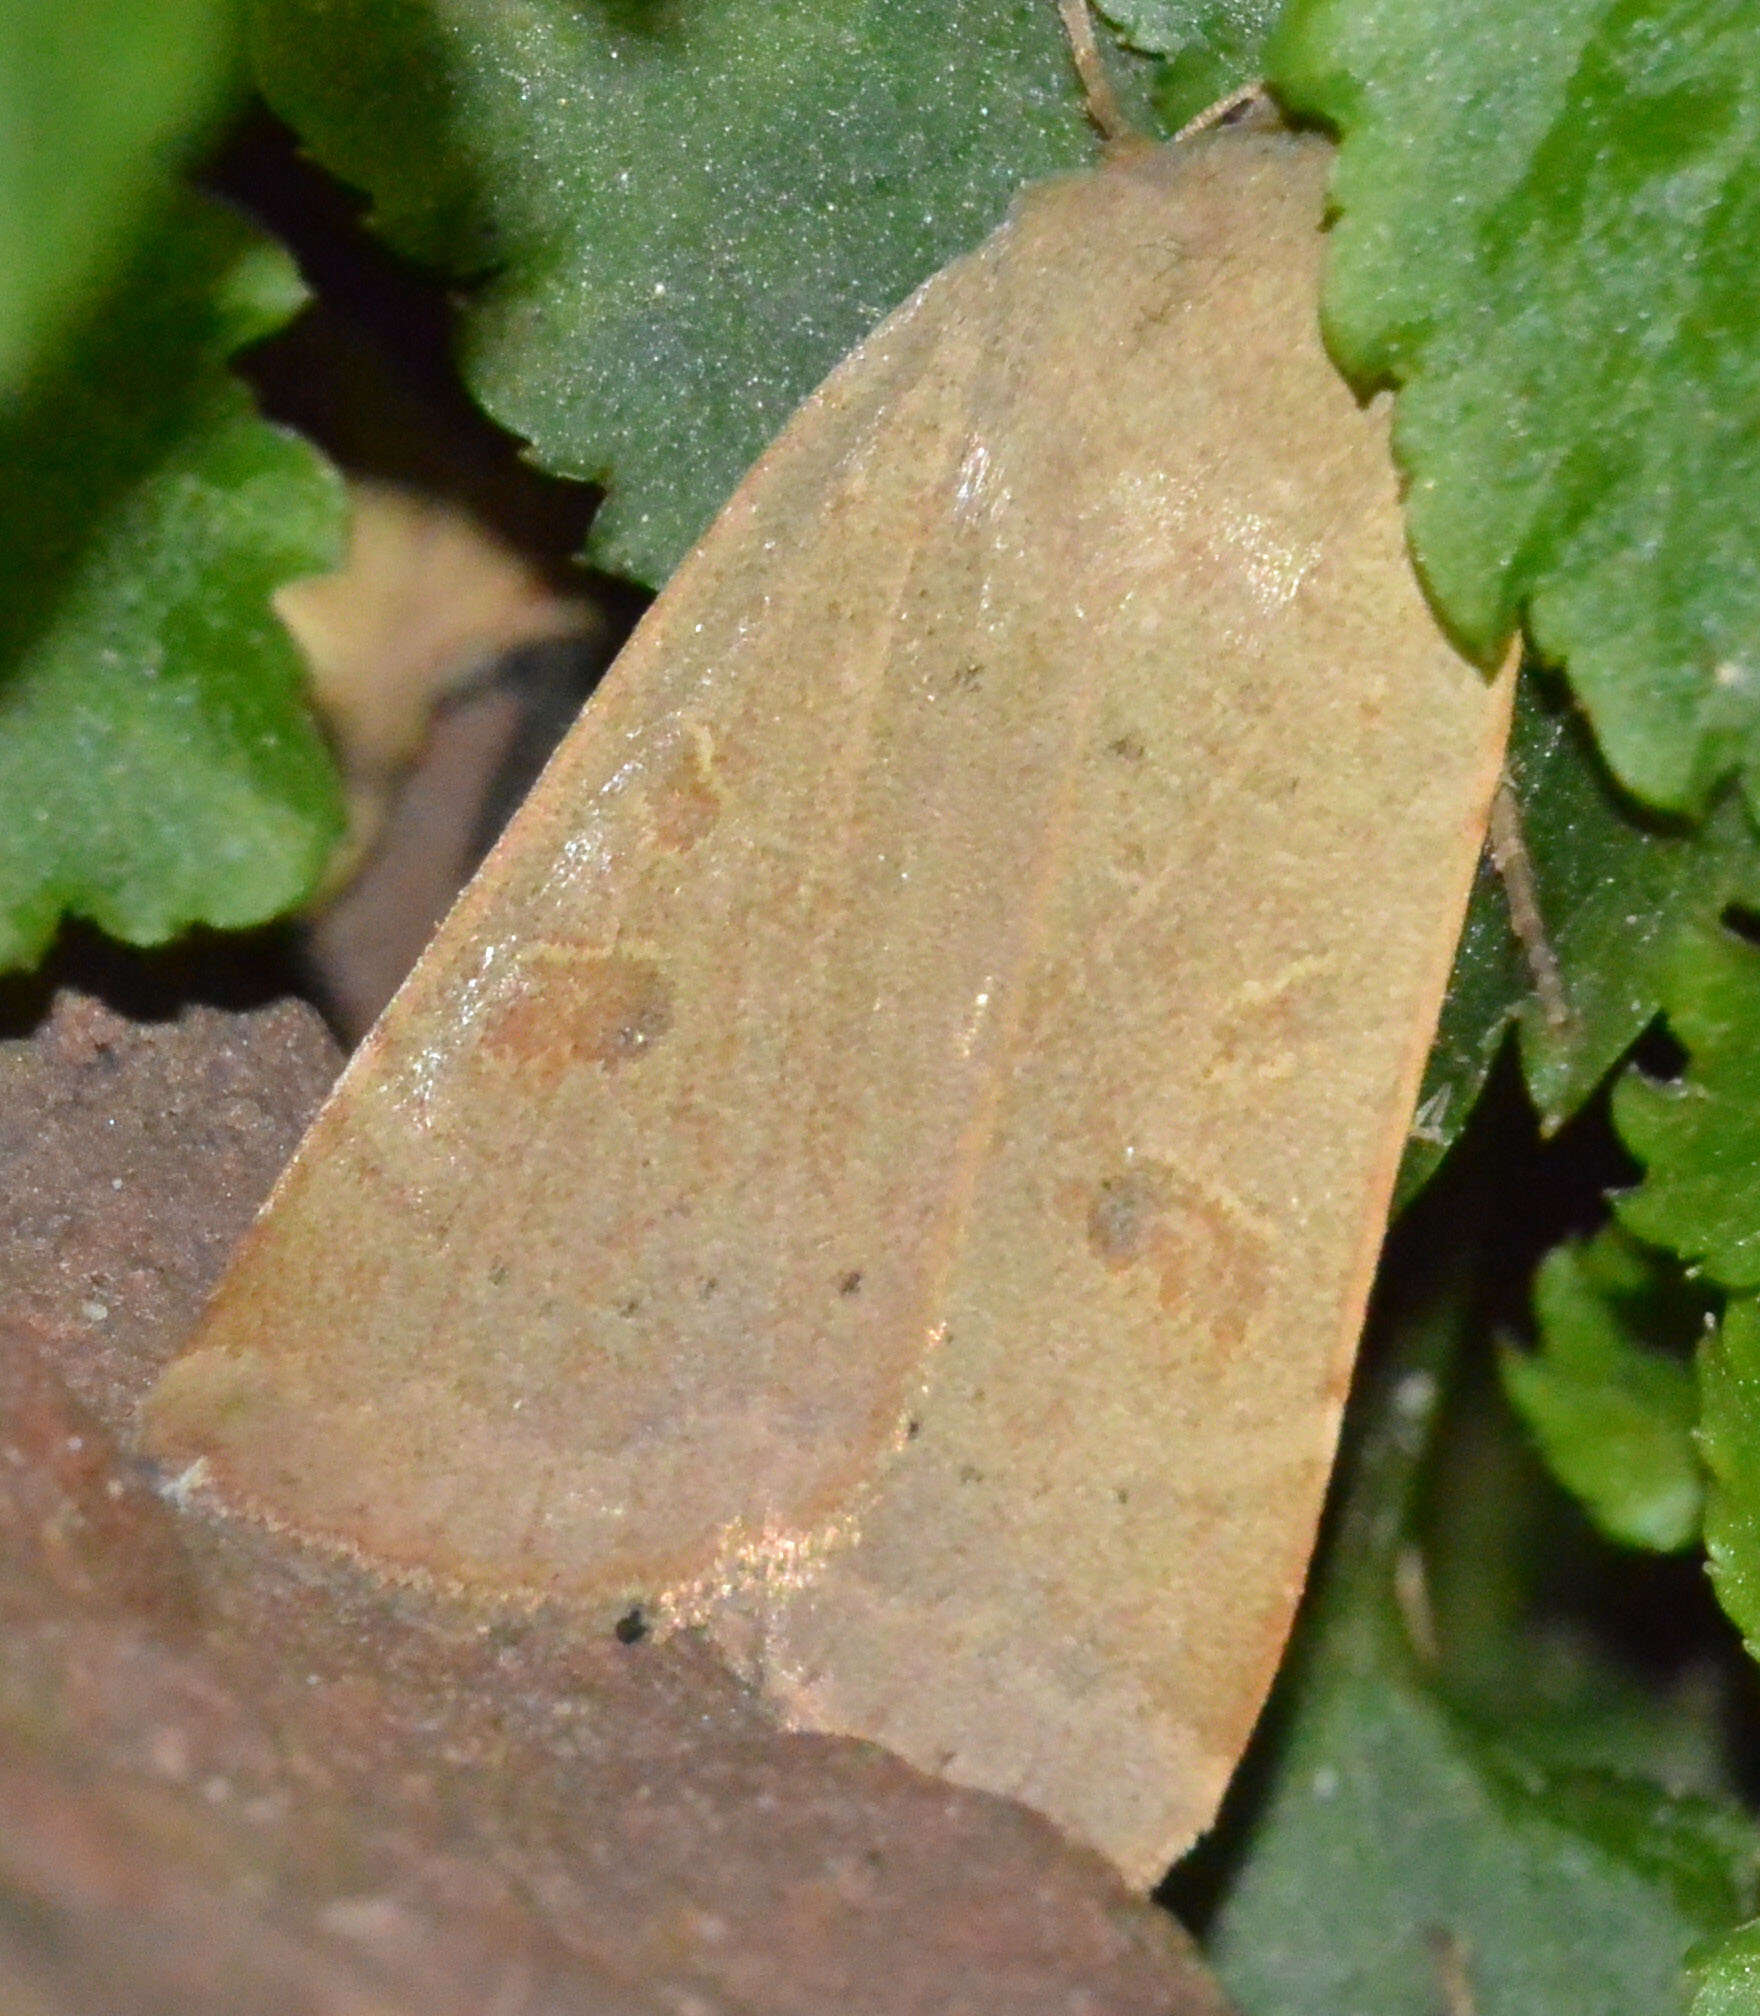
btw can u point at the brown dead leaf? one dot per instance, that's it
(886, 1162)
(425, 600)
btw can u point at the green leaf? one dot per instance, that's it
(1163, 27)
(157, 765)
(680, 216)
(1729, 1975)
(1699, 1139)
(1616, 888)
(1488, 985)
(1549, 216)
(1403, 1850)
(1533, 1610)
(98, 105)
(1729, 1440)
(1699, 1135)
(1400, 1845)
(1611, 1409)
(1212, 47)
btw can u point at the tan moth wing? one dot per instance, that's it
(887, 1160)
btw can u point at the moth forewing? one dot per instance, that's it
(886, 1162)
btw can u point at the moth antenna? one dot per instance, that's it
(1247, 105)
(1510, 857)
(1104, 111)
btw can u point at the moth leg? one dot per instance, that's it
(1510, 857)
(1411, 1594)
(1448, 1952)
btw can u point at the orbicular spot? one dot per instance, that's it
(1208, 1253)
(572, 1007)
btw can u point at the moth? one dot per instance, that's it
(884, 1165)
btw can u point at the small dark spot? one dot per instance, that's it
(707, 1287)
(498, 1274)
(1127, 748)
(912, 1429)
(1124, 1210)
(632, 1627)
(851, 1283)
(967, 677)
(1122, 1494)
(644, 1024)
(969, 1473)
(629, 1305)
